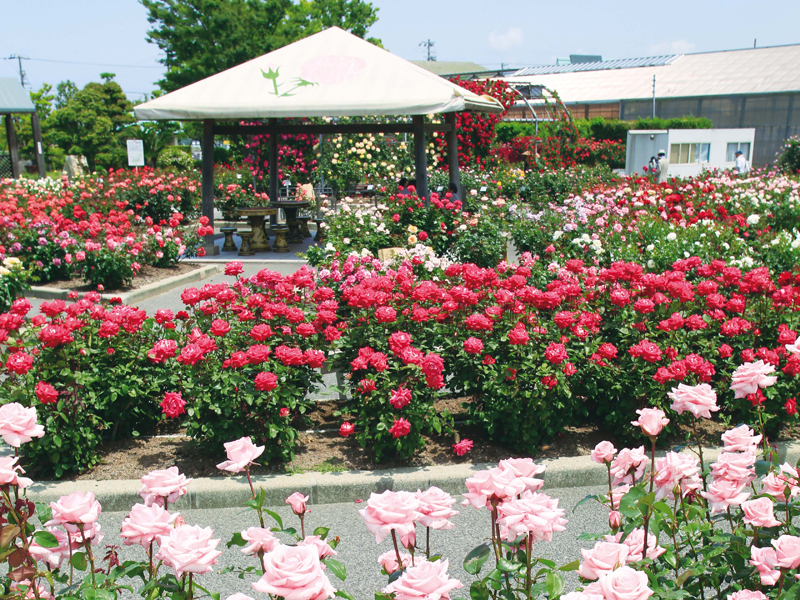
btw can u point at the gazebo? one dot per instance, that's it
(330, 74)
(14, 100)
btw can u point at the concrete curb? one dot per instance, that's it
(332, 488)
(143, 293)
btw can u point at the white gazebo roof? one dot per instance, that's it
(332, 73)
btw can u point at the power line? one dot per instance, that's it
(91, 64)
(22, 77)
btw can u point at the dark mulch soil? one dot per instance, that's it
(147, 275)
(321, 449)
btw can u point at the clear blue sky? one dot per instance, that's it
(516, 32)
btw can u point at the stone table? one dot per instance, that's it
(255, 216)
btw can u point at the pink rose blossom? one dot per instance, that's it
(189, 549)
(52, 557)
(625, 583)
(241, 454)
(435, 508)
(392, 511)
(751, 376)
(261, 540)
(700, 400)
(787, 551)
(163, 484)
(294, 573)
(735, 466)
(740, 439)
(603, 453)
(298, 503)
(760, 513)
(10, 472)
(322, 547)
(651, 420)
(525, 470)
(635, 543)
(629, 465)
(676, 469)
(74, 511)
(492, 484)
(462, 447)
(427, 581)
(173, 404)
(723, 493)
(18, 424)
(388, 560)
(747, 595)
(534, 514)
(145, 524)
(776, 485)
(604, 557)
(765, 560)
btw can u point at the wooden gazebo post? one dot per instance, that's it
(38, 150)
(451, 137)
(207, 185)
(420, 158)
(13, 149)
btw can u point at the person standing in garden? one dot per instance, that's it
(662, 167)
(742, 166)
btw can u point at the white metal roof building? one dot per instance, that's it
(757, 87)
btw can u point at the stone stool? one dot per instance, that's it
(245, 250)
(304, 226)
(320, 234)
(280, 232)
(229, 245)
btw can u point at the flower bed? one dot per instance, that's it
(102, 229)
(676, 528)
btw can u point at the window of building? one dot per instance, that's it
(683, 154)
(733, 147)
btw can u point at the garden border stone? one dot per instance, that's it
(143, 293)
(348, 486)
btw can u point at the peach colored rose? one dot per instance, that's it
(74, 511)
(751, 376)
(427, 581)
(388, 560)
(651, 420)
(241, 454)
(525, 470)
(18, 424)
(723, 493)
(163, 485)
(535, 514)
(10, 472)
(604, 452)
(492, 484)
(740, 439)
(392, 511)
(298, 503)
(435, 508)
(629, 465)
(145, 524)
(260, 540)
(765, 560)
(787, 551)
(294, 573)
(604, 557)
(700, 400)
(625, 583)
(189, 549)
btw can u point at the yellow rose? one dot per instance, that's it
(412, 240)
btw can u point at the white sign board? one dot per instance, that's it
(135, 153)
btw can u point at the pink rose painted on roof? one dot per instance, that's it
(331, 69)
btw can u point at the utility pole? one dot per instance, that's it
(22, 77)
(429, 45)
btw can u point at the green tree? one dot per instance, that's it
(202, 37)
(94, 122)
(65, 91)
